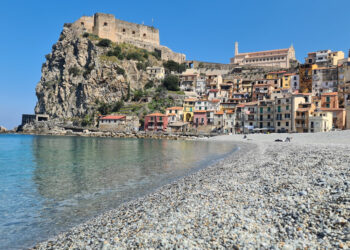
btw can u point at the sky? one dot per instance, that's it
(203, 30)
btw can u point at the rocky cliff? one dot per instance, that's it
(81, 72)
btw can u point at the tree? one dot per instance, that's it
(138, 94)
(172, 66)
(149, 84)
(171, 82)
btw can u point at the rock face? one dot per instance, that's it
(2, 129)
(77, 75)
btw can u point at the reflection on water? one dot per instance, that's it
(48, 184)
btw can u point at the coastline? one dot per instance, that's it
(266, 194)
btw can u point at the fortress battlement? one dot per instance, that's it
(107, 26)
(118, 31)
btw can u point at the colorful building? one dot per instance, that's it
(200, 118)
(175, 114)
(188, 106)
(156, 122)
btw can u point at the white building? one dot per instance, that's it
(157, 73)
(294, 82)
(201, 86)
(320, 121)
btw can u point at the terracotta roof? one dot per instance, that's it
(156, 114)
(303, 109)
(213, 90)
(240, 106)
(261, 52)
(332, 109)
(175, 108)
(215, 100)
(113, 117)
(190, 99)
(171, 114)
(331, 93)
(229, 112)
(200, 111)
(278, 72)
(250, 103)
(219, 113)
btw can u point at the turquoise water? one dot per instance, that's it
(49, 184)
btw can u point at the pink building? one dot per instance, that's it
(156, 122)
(200, 118)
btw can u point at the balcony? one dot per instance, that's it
(301, 125)
(150, 127)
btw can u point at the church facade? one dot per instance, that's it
(271, 58)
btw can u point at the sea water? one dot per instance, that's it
(51, 183)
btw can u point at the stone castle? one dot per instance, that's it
(108, 27)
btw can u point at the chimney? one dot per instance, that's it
(236, 48)
(349, 53)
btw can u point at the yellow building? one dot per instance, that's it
(335, 56)
(275, 75)
(286, 81)
(188, 106)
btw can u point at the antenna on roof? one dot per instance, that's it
(152, 22)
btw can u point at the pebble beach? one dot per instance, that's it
(273, 195)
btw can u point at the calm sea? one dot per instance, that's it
(49, 184)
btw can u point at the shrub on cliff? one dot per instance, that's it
(104, 43)
(120, 71)
(87, 121)
(135, 56)
(75, 71)
(105, 108)
(149, 84)
(138, 94)
(172, 66)
(115, 52)
(171, 82)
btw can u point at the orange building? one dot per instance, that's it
(330, 100)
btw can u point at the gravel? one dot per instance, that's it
(267, 195)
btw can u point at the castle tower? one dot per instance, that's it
(236, 48)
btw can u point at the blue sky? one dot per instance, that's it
(203, 30)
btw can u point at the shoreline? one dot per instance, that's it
(281, 197)
(111, 134)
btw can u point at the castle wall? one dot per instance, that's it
(107, 26)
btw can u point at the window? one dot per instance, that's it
(105, 24)
(124, 30)
(327, 105)
(144, 34)
(287, 107)
(328, 99)
(82, 23)
(287, 123)
(278, 124)
(160, 118)
(261, 110)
